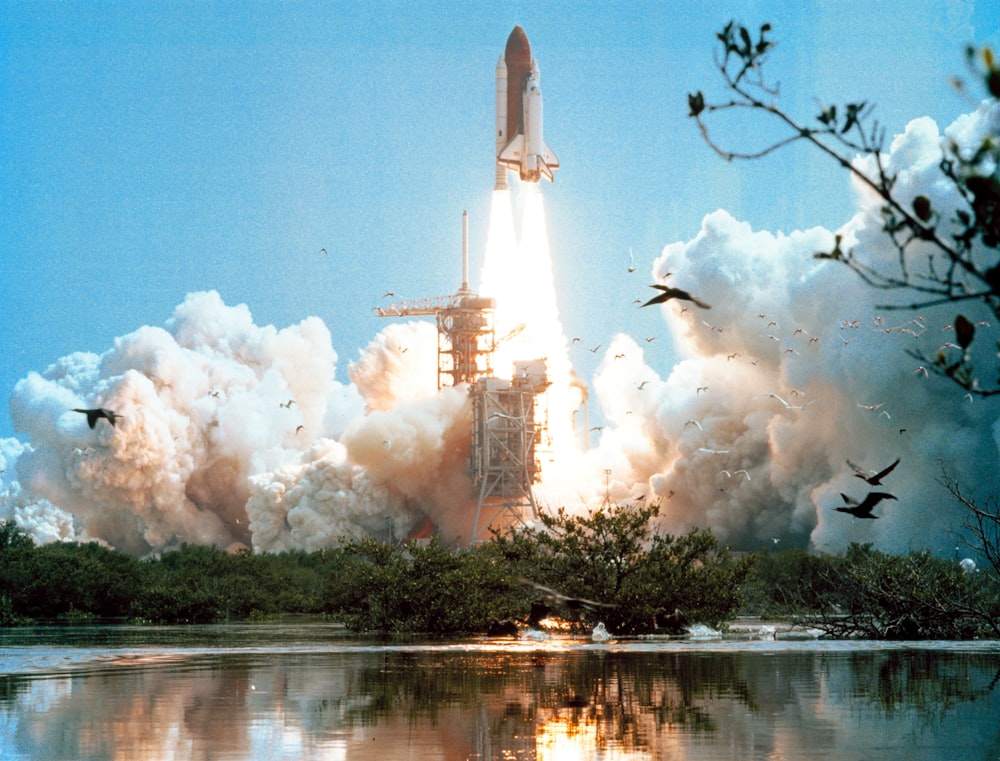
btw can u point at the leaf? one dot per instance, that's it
(853, 113)
(696, 103)
(726, 37)
(965, 331)
(922, 208)
(836, 254)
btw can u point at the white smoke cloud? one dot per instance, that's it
(38, 517)
(399, 365)
(390, 469)
(203, 402)
(235, 434)
(784, 323)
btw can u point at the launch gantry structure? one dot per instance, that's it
(502, 460)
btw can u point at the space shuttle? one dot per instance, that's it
(520, 145)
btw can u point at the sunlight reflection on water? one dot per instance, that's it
(317, 692)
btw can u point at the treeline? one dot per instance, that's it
(610, 565)
(868, 594)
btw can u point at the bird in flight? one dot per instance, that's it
(871, 407)
(96, 414)
(668, 292)
(876, 479)
(742, 471)
(786, 405)
(864, 508)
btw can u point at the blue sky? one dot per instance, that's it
(147, 151)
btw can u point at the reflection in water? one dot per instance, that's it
(345, 699)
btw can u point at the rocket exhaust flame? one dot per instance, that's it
(517, 272)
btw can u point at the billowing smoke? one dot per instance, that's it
(235, 434)
(793, 372)
(203, 402)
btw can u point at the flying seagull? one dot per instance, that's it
(874, 480)
(864, 509)
(669, 292)
(786, 405)
(96, 414)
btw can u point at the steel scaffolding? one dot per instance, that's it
(502, 456)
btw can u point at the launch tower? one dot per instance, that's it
(502, 460)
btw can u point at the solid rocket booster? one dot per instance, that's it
(520, 145)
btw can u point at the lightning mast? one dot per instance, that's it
(464, 323)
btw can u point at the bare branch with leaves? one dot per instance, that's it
(943, 256)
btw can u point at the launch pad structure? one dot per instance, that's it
(505, 425)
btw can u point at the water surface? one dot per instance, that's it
(313, 691)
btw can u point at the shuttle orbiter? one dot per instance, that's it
(520, 145)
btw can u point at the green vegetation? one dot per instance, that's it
(613, 556)
(609, 565)
(869, 594)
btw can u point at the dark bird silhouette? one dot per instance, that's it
(874, 480)
(669, 292)
(864, 508)
(96, 414)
